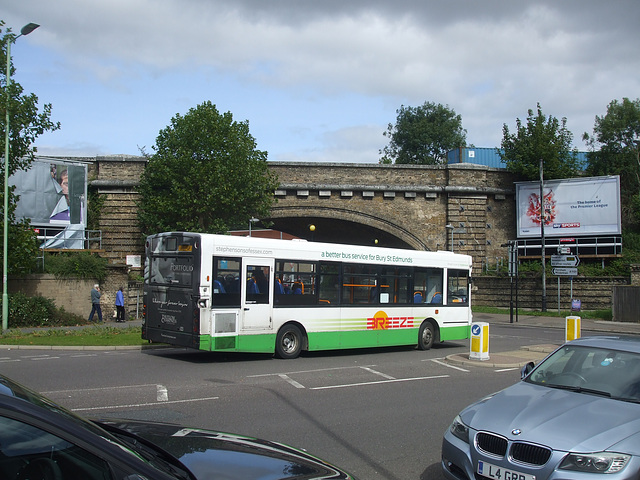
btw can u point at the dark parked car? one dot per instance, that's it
(40, 440)
(576, 415)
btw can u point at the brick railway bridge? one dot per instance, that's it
(462, 207)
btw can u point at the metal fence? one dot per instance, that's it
(625, 304)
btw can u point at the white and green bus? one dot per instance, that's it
(247, 294)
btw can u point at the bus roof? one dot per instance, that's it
(317, 251)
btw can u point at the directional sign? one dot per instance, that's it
(572, 272)
(564, 260)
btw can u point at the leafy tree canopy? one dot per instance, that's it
(615, 150)
(26, 123)
(205, 175)
(423, 135)
(543, 138)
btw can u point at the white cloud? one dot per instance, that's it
(314, 77)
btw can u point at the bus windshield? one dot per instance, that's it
(171, 271)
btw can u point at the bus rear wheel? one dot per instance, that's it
(426, 336)
(289, 342)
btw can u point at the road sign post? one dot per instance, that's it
(564, 266)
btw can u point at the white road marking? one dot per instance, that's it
(379, 382)
(306, 371)
(388, 377)
(163, 395)
(435, 360)
(134, 405)
(117, 387)
(287, 379)
(507, 369)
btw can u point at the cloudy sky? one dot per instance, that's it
(318, 80)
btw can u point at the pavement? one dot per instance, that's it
(510, 359)
(534, 353)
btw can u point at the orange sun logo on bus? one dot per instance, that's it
(381, 321)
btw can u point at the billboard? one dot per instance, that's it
(53, 197)
(575, 206)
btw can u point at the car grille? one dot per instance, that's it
(528, 453)
(519, 451)
(491, 444)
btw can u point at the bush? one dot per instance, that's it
(76, 264)
(26, 311)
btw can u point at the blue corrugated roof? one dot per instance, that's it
(489, 157)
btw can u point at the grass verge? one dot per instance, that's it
(592, 315)
(98, 336)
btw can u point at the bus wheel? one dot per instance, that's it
(289, 342)
(426, 336)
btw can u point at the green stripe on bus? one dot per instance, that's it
(265, 343)
(455, 333)
(262, 343)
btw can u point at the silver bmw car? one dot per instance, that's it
(576, 415)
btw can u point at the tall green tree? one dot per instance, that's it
(614, 149)
(205, 175)
(541, 137)
(26, 123)
(423, 135)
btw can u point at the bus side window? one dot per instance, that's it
(428, 283)
(329, 284)
(226, 283)
(298, 283)
(257, 284)
(457, 287)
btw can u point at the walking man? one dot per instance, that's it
(95, 303)
(119, 306)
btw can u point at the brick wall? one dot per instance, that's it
(595, 293)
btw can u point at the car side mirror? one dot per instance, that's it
(526, 370)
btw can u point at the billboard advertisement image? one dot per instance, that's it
(52, 195)
(572, 207)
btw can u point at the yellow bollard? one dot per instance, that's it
(572, 328)
(479, 341)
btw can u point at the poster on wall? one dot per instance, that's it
(52, 196)
(572, 207)
(51, 193)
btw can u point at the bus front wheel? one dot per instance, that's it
(426, 336)
(289, 342)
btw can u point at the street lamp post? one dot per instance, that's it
(543, 219)
(450, 227)
(252, 220)
(26, 30)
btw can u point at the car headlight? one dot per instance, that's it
(601, 462)
(459, 429)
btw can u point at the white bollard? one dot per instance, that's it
(479, 341)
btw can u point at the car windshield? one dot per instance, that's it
(9, 387)
(591, 370)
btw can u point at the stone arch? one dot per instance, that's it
(366, 227)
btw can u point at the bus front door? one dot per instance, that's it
(257, 293)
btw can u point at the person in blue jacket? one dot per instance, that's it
(119, 305)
